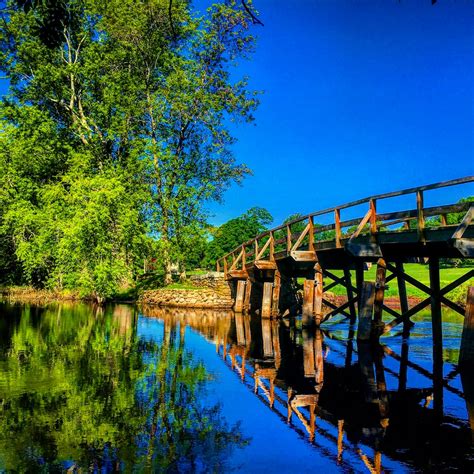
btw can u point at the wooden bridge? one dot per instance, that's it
(263, 272)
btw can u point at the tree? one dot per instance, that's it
(122, 112)
(235, 232)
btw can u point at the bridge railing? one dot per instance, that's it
(304, 233)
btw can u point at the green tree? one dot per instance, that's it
(122, 115)
(235, 232)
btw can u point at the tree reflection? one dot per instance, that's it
(79, 390)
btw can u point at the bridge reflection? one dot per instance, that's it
(360, 404)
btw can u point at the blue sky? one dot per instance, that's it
(360, 98)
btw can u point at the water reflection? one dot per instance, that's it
(365, 406)
(89, 388)
(80, 391)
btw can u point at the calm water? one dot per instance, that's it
(152, 390)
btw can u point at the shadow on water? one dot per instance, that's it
(80, 390)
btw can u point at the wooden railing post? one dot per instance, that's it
(311, 234)
(420, 216)
(225, 265)
(256, 250)
(218, 267)
(288, 238)
(337, 223)
(243, 257)
(373, 216)
(272, 247)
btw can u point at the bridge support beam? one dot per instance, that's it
(240, 295)
(313, 298)
(437, 331)
(466, 354)
(366, 310)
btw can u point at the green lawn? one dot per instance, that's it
(420, 273)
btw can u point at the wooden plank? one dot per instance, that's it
(318, 295)
(337, 223)
(303, 256)
(402, 293)
(362, 224)
(265, 265)
(288, 238)
(276, 294)
(350, 296)
(362, 250)
(239, 297)
(262, 251)
(248, 292)
(420, 217)
(373, 216)
(437, 332)
(311, 234)
(379, 294)
(267, 299)
(236, 260)
(466, 354)
(464, 223)
(367, 297)
(237, 274)
(301, 238)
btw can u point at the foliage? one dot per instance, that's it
(114, 135)
(235, 232)
(79, 389)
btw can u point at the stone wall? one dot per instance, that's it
(211, 291)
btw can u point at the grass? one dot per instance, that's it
(420, 273)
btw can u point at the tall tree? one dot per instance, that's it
(235, 232)
(132, 100)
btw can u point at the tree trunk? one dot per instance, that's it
(182, 272)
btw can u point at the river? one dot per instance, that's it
(124, 388)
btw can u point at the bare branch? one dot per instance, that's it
(255, 20)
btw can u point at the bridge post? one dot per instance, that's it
(466, 354)
(276, 293)
(366, 309)
(437, 331)
(308, 301)
(378, 325)
(267, 299)
(248, 292)
(318, 295)
(239, 296)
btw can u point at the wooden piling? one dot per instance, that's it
(267, 299)
(402, 293)
(350, 296)
(379, 289)
(239, 296)
(466, 354)
(366, 308)
(437, 331)
(318, 295)
(248, 292)
(276, 294)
